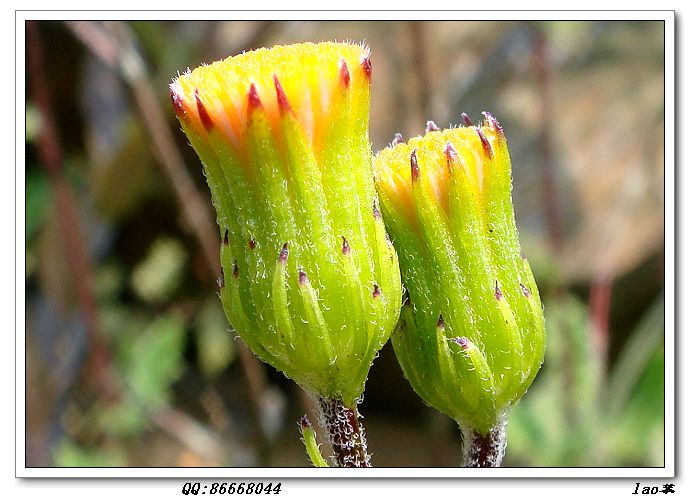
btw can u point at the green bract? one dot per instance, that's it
(471, 337)
(310, 281)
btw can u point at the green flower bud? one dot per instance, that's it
(471, 337)
(310, 281)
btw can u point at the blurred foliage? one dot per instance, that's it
(39, 199)
(151, 361)
(68, 454)
(168, 389)
(214, 342)
(127, 176)
(571, 417)
(159, 274)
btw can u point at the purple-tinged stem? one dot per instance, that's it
(484, 450)
(345, 432)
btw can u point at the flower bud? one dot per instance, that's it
(471, 337)
(311, 283)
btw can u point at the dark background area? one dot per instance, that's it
(130, 360)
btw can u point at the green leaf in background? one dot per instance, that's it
(546, 427)
(214, 341)
(152, 360)
(38, 198)
(642, 345)
(33, 122)
(159, 275)
(635, 395)
(109, 280)
(636, 436)
(69, 454)
(123, 419)
(569, 418)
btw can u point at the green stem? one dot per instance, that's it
(310, 443)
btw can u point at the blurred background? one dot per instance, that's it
(129, 358)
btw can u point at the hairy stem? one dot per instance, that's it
(484, 450)
(345, 432)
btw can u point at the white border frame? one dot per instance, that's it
(280, 473)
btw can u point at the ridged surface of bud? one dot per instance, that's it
(311, 283)
(471, 335)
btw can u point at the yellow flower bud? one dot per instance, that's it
(471, 338)
(310, 281)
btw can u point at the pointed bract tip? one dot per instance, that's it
(221, 278)
(344, 74)
(430, 126)
(235, 270)
(377, 213)
(366, 66)
(493, 122)
(253, 100)
(203, 113)
(525, 290)
(346, 247)
(304, 423)
(497, 291)
(485, 143)
(414, 166)
(283, 256)
(376, 292)
(177, 102)
(450, 152)
(466, 119)
(397, 139)
(463, 342)
(283, 102)
(302, 277)
(226, 238)
(441, 324)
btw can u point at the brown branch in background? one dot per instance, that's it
(542, 69)
(114, 44)
(115, 47)
(420, 63)
(599, 311)
(50, 153)
(254, 41)
(191, 434)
